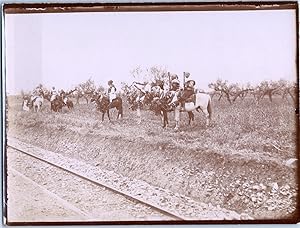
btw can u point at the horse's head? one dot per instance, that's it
(131, 96)
(103, 103)
(47, 96)
(162, 102)
(95, 98)
(42, 93)
(103, 98)
(148, 98)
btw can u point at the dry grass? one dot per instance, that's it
(247, 144)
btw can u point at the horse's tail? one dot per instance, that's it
(209, 108)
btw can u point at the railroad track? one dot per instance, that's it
(172, 215)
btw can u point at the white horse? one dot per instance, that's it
(37, 102)
(202, 102)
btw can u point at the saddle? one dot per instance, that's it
(190, 99)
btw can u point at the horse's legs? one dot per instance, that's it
(165, 118)
(207, 115)
(177, 118)
(108, 114)
(40, 107)
(120, 113)
(162, 118)
(103, 116)
(191, 117)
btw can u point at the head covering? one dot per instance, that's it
(110, 82)
(191, 81)
(174, 77)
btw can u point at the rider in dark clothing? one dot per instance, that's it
(189, 90)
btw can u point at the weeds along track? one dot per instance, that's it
(171, 206)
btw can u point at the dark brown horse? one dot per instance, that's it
(103, 105)
(59, 102)
(160, 105)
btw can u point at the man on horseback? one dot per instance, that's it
(36, 98)
(186, 93)
(112, 91)
(53, 94)
(63, 96)
(36, 93)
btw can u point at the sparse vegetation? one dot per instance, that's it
(248, 145)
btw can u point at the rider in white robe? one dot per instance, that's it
(53, 94)
(112, 91)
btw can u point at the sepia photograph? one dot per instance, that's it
(174, 113)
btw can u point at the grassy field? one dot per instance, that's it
(240, 162)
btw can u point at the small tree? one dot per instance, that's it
(223, 88)
(88, 86)
(85, 90)
(125, 88)
(137, 73)
(230, 91)
(157, 74)
(266, 88)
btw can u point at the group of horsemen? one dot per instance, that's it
(143, 88)
(182, 94)
(54, 94)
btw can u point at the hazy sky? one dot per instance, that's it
(63, 50)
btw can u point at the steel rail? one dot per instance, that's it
(132, 198)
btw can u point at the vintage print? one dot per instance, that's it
(151, 113)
